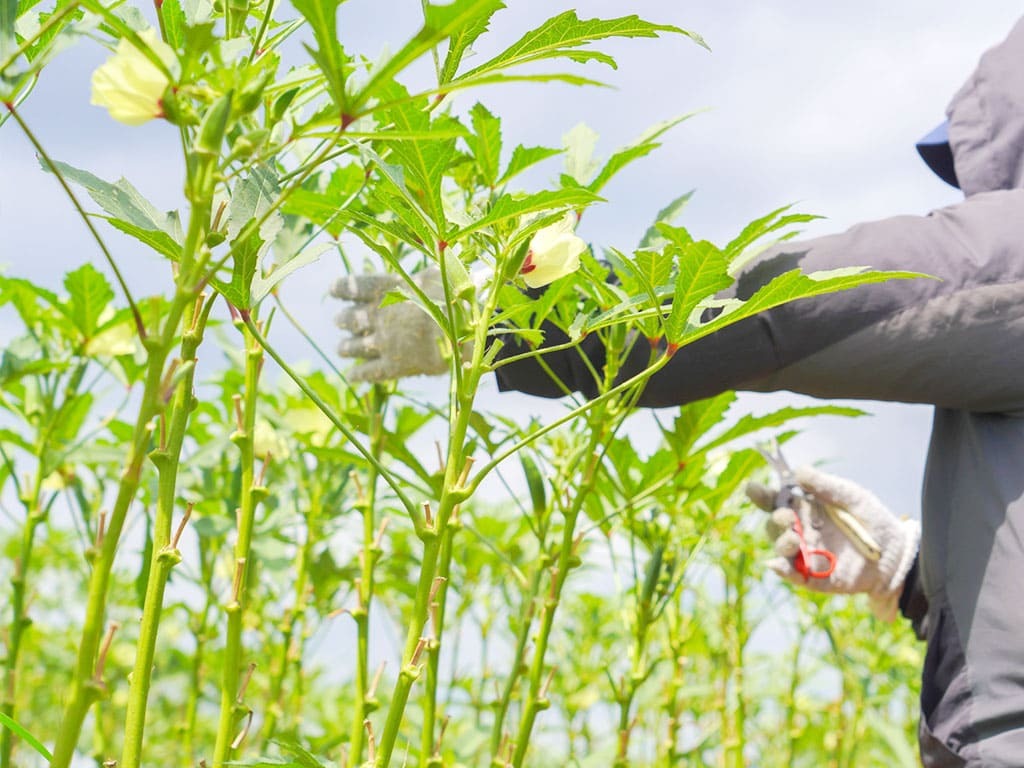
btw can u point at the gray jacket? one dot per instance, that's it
(956, 343)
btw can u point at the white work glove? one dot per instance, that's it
(874, 549)
(394, 341)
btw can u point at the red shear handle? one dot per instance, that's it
(804, 561)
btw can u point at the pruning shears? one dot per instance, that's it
(789, 495)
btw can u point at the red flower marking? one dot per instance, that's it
(528, 265)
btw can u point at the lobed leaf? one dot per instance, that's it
(322, 16)
(703, 272)
(485, 143)
(440, 22)
(523, 157)
(89, 294)
(509, 207)
(563, 35)
(460, 41)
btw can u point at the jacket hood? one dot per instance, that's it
(986, 120)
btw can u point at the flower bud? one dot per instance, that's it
(177, 111)
(553, 253)
(214, 126)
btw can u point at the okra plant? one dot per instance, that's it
(218, 556)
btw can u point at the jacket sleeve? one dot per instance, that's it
(956, 341)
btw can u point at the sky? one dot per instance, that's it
(806, 103)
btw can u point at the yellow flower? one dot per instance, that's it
(554, 252)
(131, 86)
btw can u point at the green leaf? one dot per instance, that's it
(702, 273)
(157, 239)
(564, 35)
(120, 200)
(22, 733)
(440, 22)
(653, 238)
(174, 22)
(250, 201)
(328, 207)
(322, 16)
(8, 18)
(425, 161)
(758, 228)
(791, 286)
(749, 423)
(653, 267)
(509, 207)
(89, 294)
(580, 143)
(485, 143)
(263, 284)
(461, 40)
(523, 157)
(642, 146)
(456, 275)
(694, 420)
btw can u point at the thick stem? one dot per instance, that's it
(428, 752)
(231, 704)
(86, 687)
(166, 458)
(453, 493)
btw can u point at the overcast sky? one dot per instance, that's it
(812, 103)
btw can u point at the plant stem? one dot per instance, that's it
(639, 670)
(294, 617)
(166, 458)
(516, 666)
(35, 514)
(86, 686)
(231, 703)
(376, 404)
(437, 608)
(537, 700)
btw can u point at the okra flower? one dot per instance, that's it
(131, 86)
(554, 252)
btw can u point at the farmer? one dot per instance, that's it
(956, 343)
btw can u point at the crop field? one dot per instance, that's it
(223, 550)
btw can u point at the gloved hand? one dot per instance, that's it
(874, 549)
(394, 341)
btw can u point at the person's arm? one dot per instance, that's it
(956, 342)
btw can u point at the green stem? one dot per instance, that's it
(454, 491)
(516, 666)
(86, 685)
(167, 458)
(537, 700)
(232, 705)
(639, 670)
(427, 744)
(35, 514)
(365, 703)
(200, 628)
(604, 397)
(19, 621)
(293, 619)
